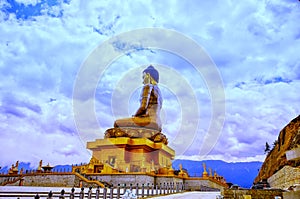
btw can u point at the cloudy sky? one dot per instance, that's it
(69, 68)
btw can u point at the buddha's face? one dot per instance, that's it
(146, 78)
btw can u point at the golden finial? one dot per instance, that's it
(210, 172)
(204, 174)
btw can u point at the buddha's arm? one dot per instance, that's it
(146, 92)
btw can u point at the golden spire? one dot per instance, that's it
(215, 174)
(204, 174)
(210, 172)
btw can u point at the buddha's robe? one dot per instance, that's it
(148, 114)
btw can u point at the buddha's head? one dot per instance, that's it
(150, 75)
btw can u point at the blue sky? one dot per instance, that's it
(45, 45)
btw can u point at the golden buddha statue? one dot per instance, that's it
(148, 114)
(146, 121)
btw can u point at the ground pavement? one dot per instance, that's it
(191, 195)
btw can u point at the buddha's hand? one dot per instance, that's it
(141, 112)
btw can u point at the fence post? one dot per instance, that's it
(72, 193)
(50, 194)
(118, 191)
(164, 188)
(137, 189)
(160, 189)
(143, 189)
(97, 192)
(168, 188)
(111, 194)
(90, 193)
(104, 192)
(130, 187)
(174, 187)
(81, 194)
(148, 189)
(37, 196)
(62, 193)
(152, 189)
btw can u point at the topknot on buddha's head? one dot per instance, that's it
(153, 72)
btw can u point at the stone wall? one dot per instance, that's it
(71, 180)
(285, 177)
(291, 195)
(197, 184)
(53, 180)
(46, 180)
(127, 179)
(251, 193)
(167, 179)
(190, 183)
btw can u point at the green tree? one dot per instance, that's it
(267, 149)
(274, 143)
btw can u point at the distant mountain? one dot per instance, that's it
(241, 173)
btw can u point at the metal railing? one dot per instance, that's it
(139, 190)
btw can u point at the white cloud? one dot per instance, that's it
(29, 2)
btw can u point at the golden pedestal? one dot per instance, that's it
(128, 154)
